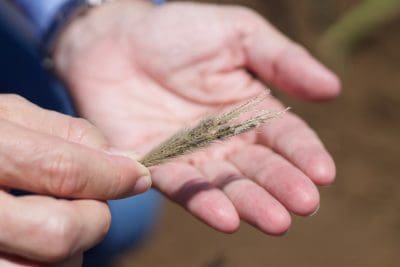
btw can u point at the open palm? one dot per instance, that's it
(149, 71)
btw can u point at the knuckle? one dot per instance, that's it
(9, 103)
(81, 131)
(61, 231)
(62, 174)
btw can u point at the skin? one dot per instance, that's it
(140, 72)
(55, 155)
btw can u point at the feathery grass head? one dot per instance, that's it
(208, 130)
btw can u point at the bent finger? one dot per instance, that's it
(45, 229)
(46, 164)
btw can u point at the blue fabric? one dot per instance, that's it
(20, 64)
(21, 72)
(132, 221)
(43, 12)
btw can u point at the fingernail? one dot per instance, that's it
(142, 170)
(142, 185)
(315, 211)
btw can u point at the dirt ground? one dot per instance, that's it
(359, 220)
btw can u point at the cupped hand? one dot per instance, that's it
(55, 155)
(140, 72)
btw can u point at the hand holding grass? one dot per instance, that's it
(141, 73)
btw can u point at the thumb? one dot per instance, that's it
(280, 61)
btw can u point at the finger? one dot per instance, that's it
(15, 261)
(253, 203)
(292, 138)
(185, 185)
(46, 164)
(280, 61)
(75, 261)
(284, 181)
(20, 111)
(45, 229)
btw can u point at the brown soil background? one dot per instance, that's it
(359, 220)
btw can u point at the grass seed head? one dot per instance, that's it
(210, 129)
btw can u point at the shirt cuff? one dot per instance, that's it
(42, 13)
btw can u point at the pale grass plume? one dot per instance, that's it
(210, 129)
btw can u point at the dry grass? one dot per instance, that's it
(210, 129)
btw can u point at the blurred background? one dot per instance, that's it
(359, 220)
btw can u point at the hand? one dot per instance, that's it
(140, 72)
(55, 155)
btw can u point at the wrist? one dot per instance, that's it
(109, 21)
(61, 16)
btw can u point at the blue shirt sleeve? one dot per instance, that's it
(42, 13)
